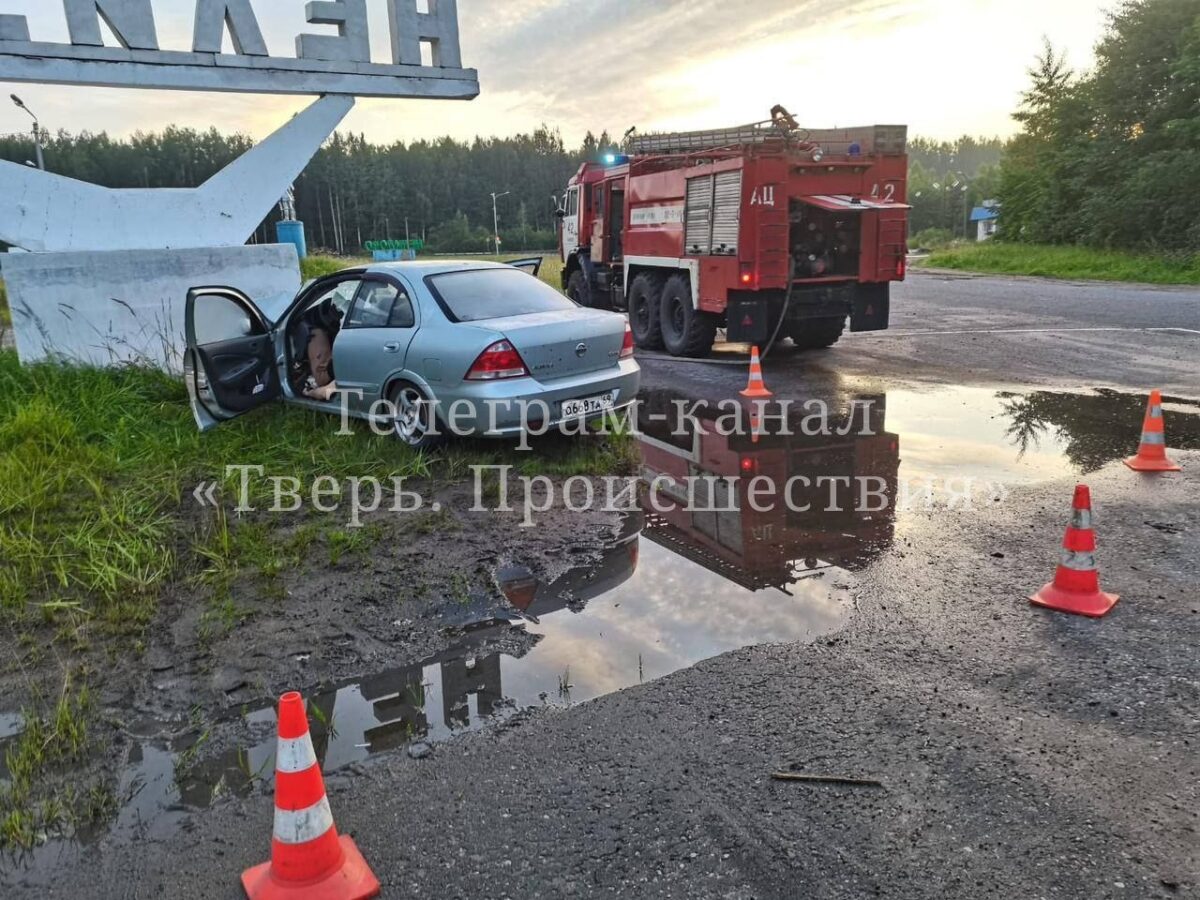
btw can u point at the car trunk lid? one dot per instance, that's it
(559, 345)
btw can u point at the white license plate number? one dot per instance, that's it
(588, 406)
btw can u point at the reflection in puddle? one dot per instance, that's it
(676, 587)
(641, 612)
(1025, 437)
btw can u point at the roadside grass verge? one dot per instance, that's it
(96, 468)
(319, 266)
(997, 257)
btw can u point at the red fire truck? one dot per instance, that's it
(766, 230)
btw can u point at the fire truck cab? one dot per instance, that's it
(764, 231)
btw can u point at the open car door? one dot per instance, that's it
(533, 265)
(230, 364)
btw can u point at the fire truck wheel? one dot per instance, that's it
(644, 320)
(579, 290)
(815, 334)
(686, 330)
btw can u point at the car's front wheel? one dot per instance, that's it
(414, 419)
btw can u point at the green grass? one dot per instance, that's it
(97, 466)
(318, 266)
(1068, 262)
(32, 801)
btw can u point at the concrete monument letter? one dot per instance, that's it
(439, 27)
(212, 16)
(353, 40)
(132, 21)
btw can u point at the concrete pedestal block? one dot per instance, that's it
(122, 306)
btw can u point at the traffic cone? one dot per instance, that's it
(1076, 585)
(756, 386)
(309, 859)
(1152, 452)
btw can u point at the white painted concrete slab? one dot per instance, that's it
(107, 308)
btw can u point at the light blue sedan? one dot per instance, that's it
(430, 348)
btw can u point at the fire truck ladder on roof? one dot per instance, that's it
(693, 141)
(883, 140)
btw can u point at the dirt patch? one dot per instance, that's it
(346, 603)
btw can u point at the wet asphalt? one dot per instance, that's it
(1021, 753)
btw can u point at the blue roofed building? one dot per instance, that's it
(986, 219)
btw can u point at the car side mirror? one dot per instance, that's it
(560, 213)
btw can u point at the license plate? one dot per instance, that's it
(588, 406)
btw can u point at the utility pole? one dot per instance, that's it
(496, 219)
(37, 131)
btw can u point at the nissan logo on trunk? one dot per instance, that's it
(581, 349)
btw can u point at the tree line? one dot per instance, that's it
(1111, 158)
(354, 191)
(1107, 158)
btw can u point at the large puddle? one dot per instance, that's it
(674, 588)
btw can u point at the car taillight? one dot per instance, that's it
(627, 345)
(501, 360)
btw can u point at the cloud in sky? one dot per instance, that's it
(944, 67)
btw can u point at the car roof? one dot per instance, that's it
(419, 268)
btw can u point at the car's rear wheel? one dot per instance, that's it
(644, 319)
(414, 419)
(686, 331)
(816, 334)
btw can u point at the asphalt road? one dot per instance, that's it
(1022, 753)
(950, 327)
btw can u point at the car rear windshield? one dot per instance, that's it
(476, 294)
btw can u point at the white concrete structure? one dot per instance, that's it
(325, 63)
(128, 306)
(42, 212)
(110, 269)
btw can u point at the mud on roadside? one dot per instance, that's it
(347, 603)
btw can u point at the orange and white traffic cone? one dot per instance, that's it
(309, 859)
(1076, 585)
(1152, 452)
(756, 387)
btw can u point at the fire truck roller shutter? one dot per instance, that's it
(712, 219)
(727, 210)
(697, 239)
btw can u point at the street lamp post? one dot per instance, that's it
(496, 219)
(966, 198)
(37, 131)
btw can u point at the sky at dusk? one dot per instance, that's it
(944, 67)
